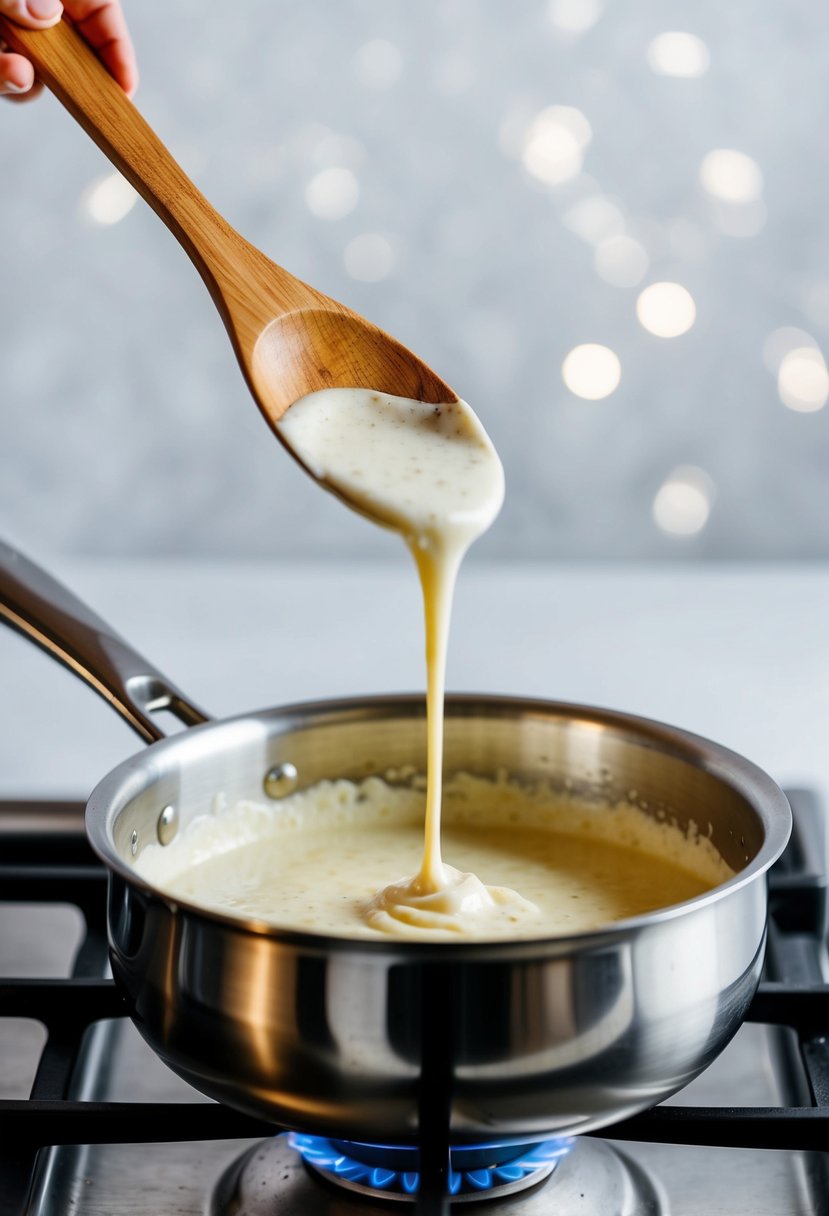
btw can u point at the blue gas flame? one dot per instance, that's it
(392, 1168)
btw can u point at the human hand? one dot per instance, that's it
(102, 24)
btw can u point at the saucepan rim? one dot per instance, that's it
(765, 798)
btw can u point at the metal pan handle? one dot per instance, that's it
(41, 608)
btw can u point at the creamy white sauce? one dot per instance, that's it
(430, 472)
(316, 859)
(329, 858)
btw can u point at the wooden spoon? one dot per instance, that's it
(290, 339)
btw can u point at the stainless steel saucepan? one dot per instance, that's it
(345, 1037)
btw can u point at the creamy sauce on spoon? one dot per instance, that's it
(430, 472)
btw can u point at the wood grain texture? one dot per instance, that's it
(289, 338)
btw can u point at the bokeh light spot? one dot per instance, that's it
(666, 310)
(731, 176)
(591, 371)
(678, 54)
(803, 381)
(332, 194)
(369, 257)
(682, 503)
(594, 219)
(554, 143)
(108, 199)
(574, 16)
(781, 342)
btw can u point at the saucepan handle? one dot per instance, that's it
(41, 608)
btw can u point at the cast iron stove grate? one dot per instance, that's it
(58, 867)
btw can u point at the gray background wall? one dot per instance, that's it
(125, 428)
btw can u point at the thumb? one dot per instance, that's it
(35, 14)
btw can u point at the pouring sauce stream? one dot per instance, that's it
(431, 473)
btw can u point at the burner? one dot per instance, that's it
(386, 1171)
(591, 1180)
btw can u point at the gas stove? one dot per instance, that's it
(93, 1124)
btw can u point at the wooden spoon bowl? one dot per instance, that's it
(289, 338)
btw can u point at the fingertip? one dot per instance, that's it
(43, 13)
(127, 76)
(34, 14)
(16, 75)
(120, 60)
(23, 99)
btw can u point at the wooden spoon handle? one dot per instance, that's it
(70, 69)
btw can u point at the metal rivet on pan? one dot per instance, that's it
(134, 842)
(167, 824)
(280, 780)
